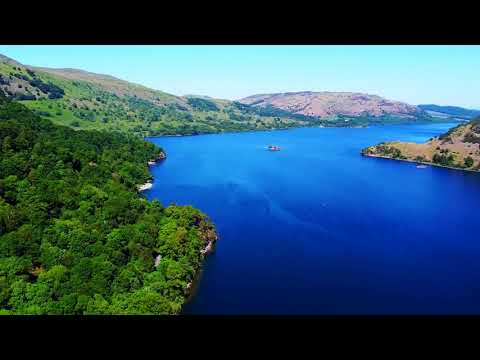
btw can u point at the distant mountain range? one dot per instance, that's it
(327, 104)
(82, 99)
(450, 111)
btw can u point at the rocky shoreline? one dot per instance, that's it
(209, 235)
(190, 289)
(148, 185)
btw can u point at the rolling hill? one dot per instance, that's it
(334, 105)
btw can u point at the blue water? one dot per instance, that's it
(318, 229)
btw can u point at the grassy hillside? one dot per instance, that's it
(75, 237)
(85, 100)
(458, 148)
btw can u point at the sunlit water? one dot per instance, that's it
(318, 229)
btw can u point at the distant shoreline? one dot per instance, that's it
(227, 132)
(302, 127)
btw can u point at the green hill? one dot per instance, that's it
(80, 99)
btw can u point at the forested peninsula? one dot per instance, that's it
(75, 235)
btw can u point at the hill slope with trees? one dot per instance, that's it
(81, 99)
(75, 236)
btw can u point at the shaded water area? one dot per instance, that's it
(318, 229)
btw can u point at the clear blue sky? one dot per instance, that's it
(445, 75)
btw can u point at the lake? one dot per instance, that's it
(318, 229)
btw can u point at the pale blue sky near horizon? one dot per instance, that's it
(417, 74)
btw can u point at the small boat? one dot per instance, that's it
(422, 166)
(273, 148)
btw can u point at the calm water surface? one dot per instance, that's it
(318, 229)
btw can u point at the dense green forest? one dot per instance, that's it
(75, 236)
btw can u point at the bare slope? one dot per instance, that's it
(325, 104)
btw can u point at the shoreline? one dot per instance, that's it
(144, 187)
(420, 162)
(226, 132)
(149, 184)
(192, 286)
(301, 127)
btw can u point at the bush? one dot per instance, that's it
(43, 113)
(4, 81)
(443, 159)
(471, 138)
(468, 161)
(53, 91)
(21, 97)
